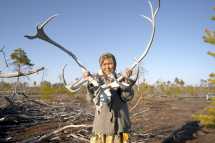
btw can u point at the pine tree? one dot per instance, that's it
(209, 37)
(209, 118)
(20, 59)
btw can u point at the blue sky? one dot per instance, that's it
(91, 27)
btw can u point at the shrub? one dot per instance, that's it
(207, 119)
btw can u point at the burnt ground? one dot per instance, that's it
(155, 119)
(165, 115)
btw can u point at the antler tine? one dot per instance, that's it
(151, 9)
(64, 81)
(156, 11)
(147, 18)
(43, 36)
(73, 87)
(153, 13)
(152, 21)
(40, 26)
(40, 32)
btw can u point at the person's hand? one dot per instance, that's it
(127, 73)
(86, 75)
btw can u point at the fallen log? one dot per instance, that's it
(19, 74)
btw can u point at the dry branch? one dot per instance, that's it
(136, 104)
(19, 74)
(61, 129)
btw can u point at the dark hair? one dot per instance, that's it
(107, 56)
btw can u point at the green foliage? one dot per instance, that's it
(19, 57)
(190, 90)
(4, 86)
(209, 37)
(208, 119)
(170, 89)
(47, 97)
(144, 88)
(211, 54)
(179, 82)
(211, 81)
(48, 90)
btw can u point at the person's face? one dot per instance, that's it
(108, 66)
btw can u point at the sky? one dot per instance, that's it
(89, 28)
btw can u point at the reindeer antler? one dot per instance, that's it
(76, 86)
(152, 21)
(43, 36)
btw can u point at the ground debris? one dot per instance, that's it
(69, 120)
(43, 122)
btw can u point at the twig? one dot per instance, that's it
(63, 128)
(80, 138)
(138, 101)
(138, 113)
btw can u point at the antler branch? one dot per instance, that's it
(152, 21)
(43, 36)
(75, 86)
